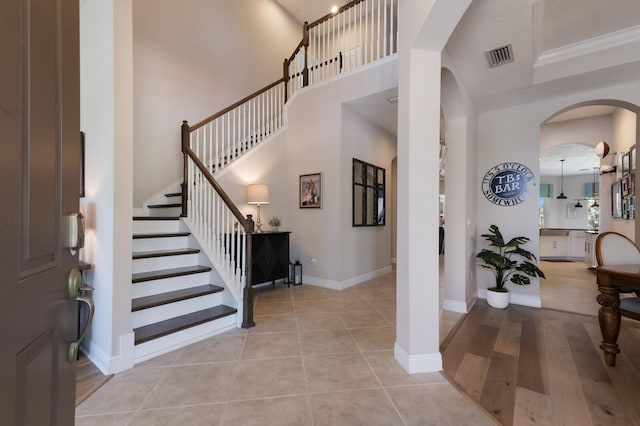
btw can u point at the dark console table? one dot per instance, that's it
(270, 257)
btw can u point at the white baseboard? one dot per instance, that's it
(111, 364)
(517, 299)
(341, 285)
(455, 306)
(422, 363)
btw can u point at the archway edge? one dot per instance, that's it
(611, 102)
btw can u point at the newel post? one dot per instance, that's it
(247, 296)
(285, 76)
(305, 43)
(185, 144)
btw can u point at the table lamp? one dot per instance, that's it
(258, 194)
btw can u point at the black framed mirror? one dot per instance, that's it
(369, 194)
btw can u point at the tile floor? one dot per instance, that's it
(316, 357)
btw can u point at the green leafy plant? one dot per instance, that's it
(508, 260)
(275, 221)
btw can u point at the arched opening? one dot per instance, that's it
(594, 202)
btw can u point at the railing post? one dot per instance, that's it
(285, 75)
(305, 43)
(247, 315)
(185, 144)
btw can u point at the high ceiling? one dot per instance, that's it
(559, 47)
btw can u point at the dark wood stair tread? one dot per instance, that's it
(173, 296)
(163, 328)
(168, 273)
(162, 235)
(164, 253)
(164, 206)
(174, 194)
(156, 218)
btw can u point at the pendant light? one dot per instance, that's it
(561, 196)
(578, 205)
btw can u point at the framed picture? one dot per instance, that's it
(632, 158)
(625, 186)
(81, 164)
(616, 199)
(311, 191)
(625, 164)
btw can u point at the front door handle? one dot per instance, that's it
(75, 287)
(75, 346)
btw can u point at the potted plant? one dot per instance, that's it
(509, 262)
(275, 223)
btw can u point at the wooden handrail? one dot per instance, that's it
(230, 204)
(235, 105)
(296, 50)
(331, 15)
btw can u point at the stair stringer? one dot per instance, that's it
(232, 283)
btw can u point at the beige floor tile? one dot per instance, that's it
(364, 319)
(344, 304)
(214, 349)
(192, 384)
(124, 392)
(383, 303)
(191, 415)
(268, 378)
(270, 411)
(310, 296)
(374, 338)
(313, 306)
(391, 373)
(274, 323)
(319, 321)
(436, 404)
(353, 408)
(121, 419)
(275, 308)
(271, 345)
(327, 373)
(389, 314)
(327, 342)
(166, 360)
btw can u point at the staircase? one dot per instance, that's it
(182, 294)
(177, 297)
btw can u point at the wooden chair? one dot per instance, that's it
(613, 248)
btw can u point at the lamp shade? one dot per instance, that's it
(258, 194)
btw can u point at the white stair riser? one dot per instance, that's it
(156, 226)
(163, 312)
(164, 262)
(164, 243)
(165, 285)
(162, 345)
(166, 211)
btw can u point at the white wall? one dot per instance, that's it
(513, 134)
(624, 134)
(191, 59)
(106, 82)
(322, 136)
(556, 210)
(367, 248)
(585, 131)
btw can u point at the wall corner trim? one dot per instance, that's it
(419, 363)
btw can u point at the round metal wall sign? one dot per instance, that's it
(508, 184)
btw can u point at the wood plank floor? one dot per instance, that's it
(538, 366)
(88, 378)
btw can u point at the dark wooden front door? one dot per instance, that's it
(39, 168)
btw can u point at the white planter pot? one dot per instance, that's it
(498, 299)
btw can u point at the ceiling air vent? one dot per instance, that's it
(500, 56)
